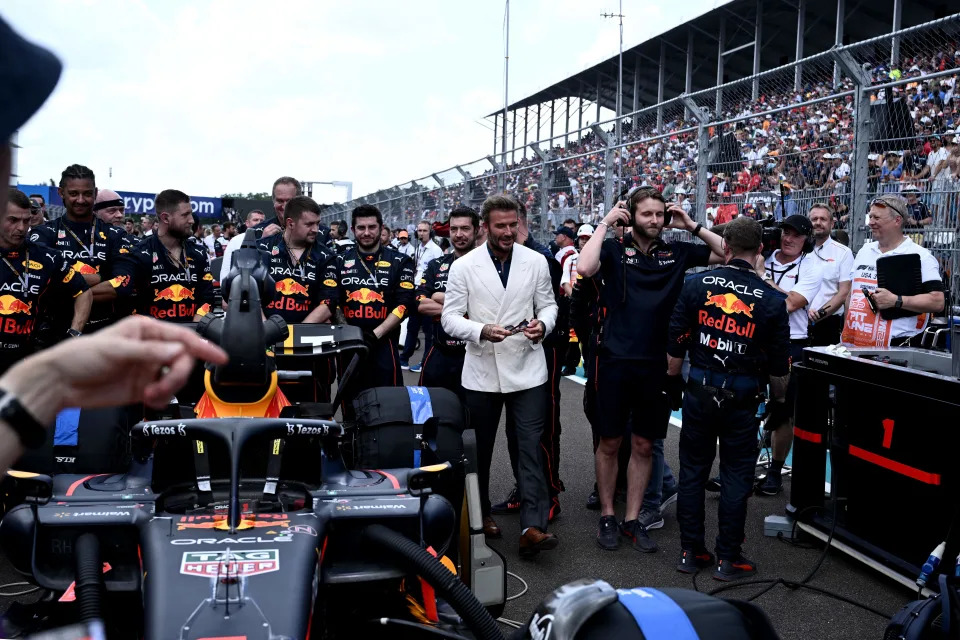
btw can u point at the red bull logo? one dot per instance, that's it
(289, 287)
(364, 296)
(729, 303)
(84, 269)
(10, 305)
(174, 293)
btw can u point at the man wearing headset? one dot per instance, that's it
(793, 271)
(425, 251)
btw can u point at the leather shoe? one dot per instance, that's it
(490, 528)
(534, 541)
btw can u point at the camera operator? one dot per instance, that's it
(642, 278)
(865, 328)
(836, 260)
(735, 328)
(791, 270)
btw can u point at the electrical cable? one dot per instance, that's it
(515, 577)
(510, 623)
(17, 593)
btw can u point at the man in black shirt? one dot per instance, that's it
(33, 279)
(738, 333)
(167, 276)
(305, 274)
(375, 291)
(642, 279)
(443, 364)
(90, 246)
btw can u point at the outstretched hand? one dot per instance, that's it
(136, 360)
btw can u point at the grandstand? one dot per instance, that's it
(761, 105)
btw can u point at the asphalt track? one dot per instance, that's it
(796, 615)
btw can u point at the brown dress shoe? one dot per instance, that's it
(490, 528)
(534, 541)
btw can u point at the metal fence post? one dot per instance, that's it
(501, 179)
(607, 167)
(702, 116)
(862, 135)
(546, 178)
(440, 204)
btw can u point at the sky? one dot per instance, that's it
(224, 96)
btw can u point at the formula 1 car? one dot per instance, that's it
(270, 535)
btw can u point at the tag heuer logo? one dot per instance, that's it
(630, 251)
(210, 564)
(348, 264)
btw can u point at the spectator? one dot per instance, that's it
(146, 226)
(39, 210)
(917, 213)
(404, 246)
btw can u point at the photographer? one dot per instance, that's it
(735, 328)
(642, 280)
(792, 271)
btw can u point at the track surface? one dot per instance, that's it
(797, 615)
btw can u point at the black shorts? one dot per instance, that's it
(631, 388)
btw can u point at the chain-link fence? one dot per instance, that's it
(837, 127)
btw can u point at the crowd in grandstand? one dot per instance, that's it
(788, 159)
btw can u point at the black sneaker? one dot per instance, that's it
(668, 497)
(693, 561)
(713, 484)
(735, 569)
(637, 536)
(508, 506)
(650, 519)
(772, 485)
(568, 371)
(554, 509)
(593, 501)
(608, 533)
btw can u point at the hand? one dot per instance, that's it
(370, 340)
(534, 330)
(136, 360)
(776, 413)
(619, 214)
(884, 298)
(494, 333)
(679, 219)
(760, 265)
(271, 230)
(673, 388)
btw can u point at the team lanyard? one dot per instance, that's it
(93, 229)
(22, 277)
(185, 265)
(363, 263)
(784, 272)
(294, 262)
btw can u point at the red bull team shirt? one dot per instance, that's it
(162, 287)
(301, 285)
(33, 280)
(372, 285)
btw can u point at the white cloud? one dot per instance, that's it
(226, 95)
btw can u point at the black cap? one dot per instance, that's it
(567, 231)
(798, 222)
(28, 74)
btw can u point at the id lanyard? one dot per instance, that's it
(784, 272)
(363, 263)
(185, 265)
(93, 229)
(22, 277)
(294, 262)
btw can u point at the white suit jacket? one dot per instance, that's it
(475, 297)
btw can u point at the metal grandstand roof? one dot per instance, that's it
(737, 22)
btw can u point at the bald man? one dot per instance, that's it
(109, 207)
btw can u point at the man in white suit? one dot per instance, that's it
(500, 300)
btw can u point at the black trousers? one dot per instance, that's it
(703, 423)
(527, 410)
(415, 323)
(379, 368)
(590, 411)
(443, 369)
(827, 331)
(550, 438)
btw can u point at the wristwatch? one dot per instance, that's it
(899, 303)
(31, 433)
(73, 333)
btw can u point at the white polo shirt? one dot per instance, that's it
(862, 327)
(801, 275)
(835, 261)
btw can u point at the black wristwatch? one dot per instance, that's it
(73, 333)
(696, 230)
(899, 303)
(32, 434)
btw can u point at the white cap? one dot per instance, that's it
(585, 230)
(828, 156)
